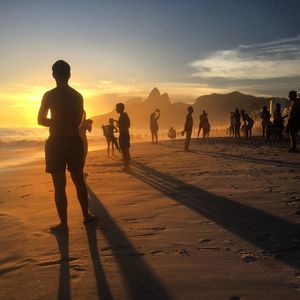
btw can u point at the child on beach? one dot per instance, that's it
(124, 137)
(172, 133)
(108, 132)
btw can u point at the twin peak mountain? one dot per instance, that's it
(218, 107)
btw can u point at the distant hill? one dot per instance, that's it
(139, 111)
(218, 107)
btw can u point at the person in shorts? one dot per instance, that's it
(64, 147)
(124, 137)
(188, 128)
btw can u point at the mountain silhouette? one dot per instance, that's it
(218, 107)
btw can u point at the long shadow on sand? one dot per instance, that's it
(141, 282)
(101, 281)
(64, 287)
(270, 233)
(244, 158)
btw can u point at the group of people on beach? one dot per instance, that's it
(236, 125)
(66, 146)
(275, 127)
(188, 127)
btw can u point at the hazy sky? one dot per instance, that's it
(124, 48)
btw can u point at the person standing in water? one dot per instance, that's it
(64, 147)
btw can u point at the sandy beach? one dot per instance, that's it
(219, 222)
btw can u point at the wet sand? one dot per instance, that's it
(219, 222)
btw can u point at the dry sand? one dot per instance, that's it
(219, 222)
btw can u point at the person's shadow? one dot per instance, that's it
(101, 281)
(64, 287)
(272, 234)
(140, 280)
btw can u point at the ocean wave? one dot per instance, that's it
(21, 144)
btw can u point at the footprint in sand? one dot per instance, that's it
(205, 241)
(158, 252)
(249, 258)
(77, 268)
(132, 220)
(27, 195)
(183, 252)
(56, 262)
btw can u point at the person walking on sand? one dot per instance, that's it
(248, 122)
(188, 128)
(293, 125)
(86, 125)
(109, 131)
(154, 124)
(124, 137)
(64, 147)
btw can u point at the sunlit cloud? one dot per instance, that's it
(275, 59)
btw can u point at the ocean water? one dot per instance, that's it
(20, 146)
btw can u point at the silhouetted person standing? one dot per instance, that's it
(265, 120)
(293, 125)
(237, 123)
(278, 120)
(248, 121)
(231, 126)
(64, 146)
(154, 124)
(124, 137)
(86, 125)
(109, 131)
(188, 128)
(204, 125)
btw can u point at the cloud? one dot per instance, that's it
(275, 59)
